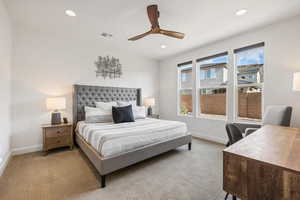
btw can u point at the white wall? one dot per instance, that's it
(5, 66)
(282, 58)
(48, 65)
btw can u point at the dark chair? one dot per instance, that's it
(234, 135)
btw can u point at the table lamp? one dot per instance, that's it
(55, 104)
(296, 81)
(149, 102)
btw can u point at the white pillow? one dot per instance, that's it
(106, 106)
(97, 115)
(127, 103)
(139, 112)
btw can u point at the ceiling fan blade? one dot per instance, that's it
(140, 36)
(153, 15)
(172, 34)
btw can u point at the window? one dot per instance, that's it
(204, 90)
(212, 85)
(249, 62)
(185, 88)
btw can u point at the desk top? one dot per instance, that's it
(274, 145)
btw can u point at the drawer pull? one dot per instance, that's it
(58, 132)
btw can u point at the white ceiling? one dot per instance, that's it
(203, 21)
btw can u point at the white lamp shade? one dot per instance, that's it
(56, 103)
(296, 81)
(149, 102)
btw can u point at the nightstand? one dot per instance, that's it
(153, 116)
(55, 136)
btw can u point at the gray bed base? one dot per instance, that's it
(85, 95)
(106, 166)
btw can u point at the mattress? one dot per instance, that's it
(111, 139)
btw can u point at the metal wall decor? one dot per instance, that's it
(108, 67)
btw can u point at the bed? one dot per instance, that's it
(111, 147)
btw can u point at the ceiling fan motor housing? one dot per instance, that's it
(153, 15)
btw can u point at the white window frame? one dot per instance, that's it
(197, 96)
(179, 70)
(236, 93)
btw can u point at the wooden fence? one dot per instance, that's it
(249, 104)
(187, 102)
(213, 104)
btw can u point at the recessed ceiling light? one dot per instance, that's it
(241, 12)
(163, 46)
(70, 13)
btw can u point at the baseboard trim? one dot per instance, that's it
(28, 149)
(5, 162)
(200, 135)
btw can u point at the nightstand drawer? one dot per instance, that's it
(58, 140)
(57, 132)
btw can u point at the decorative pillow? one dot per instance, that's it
(139, 112)
(97, 115)
(122, 114)
(106, 106)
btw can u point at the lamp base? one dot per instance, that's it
(150, 111)
(55, 118)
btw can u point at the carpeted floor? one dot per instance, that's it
(64, 174)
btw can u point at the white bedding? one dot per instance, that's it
(111, 139)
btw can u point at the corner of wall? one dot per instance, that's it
(6, 63)
(4, 162)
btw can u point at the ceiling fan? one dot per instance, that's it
(153, 15)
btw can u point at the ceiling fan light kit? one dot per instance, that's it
(153, 15)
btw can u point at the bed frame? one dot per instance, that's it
(84, 95)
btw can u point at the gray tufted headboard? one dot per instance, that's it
(85, 95)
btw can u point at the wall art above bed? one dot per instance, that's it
(108, 67)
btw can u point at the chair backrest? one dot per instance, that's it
(234, 133)
(277, 115)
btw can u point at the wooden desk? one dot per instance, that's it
(264, 166)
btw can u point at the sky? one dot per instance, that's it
(253, 56)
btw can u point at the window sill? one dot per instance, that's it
(204, 117)
(248, 121)
(181, 115)
(212, 117)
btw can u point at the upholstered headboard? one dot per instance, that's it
(85, 95)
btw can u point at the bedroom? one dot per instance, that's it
(46, 50)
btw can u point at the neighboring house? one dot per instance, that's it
(252, 73)
(213, 75)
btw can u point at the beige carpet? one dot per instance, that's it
(65, 174)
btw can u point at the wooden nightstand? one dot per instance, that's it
(153, 116)
(55, 136)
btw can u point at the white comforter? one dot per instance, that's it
(114, 139)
